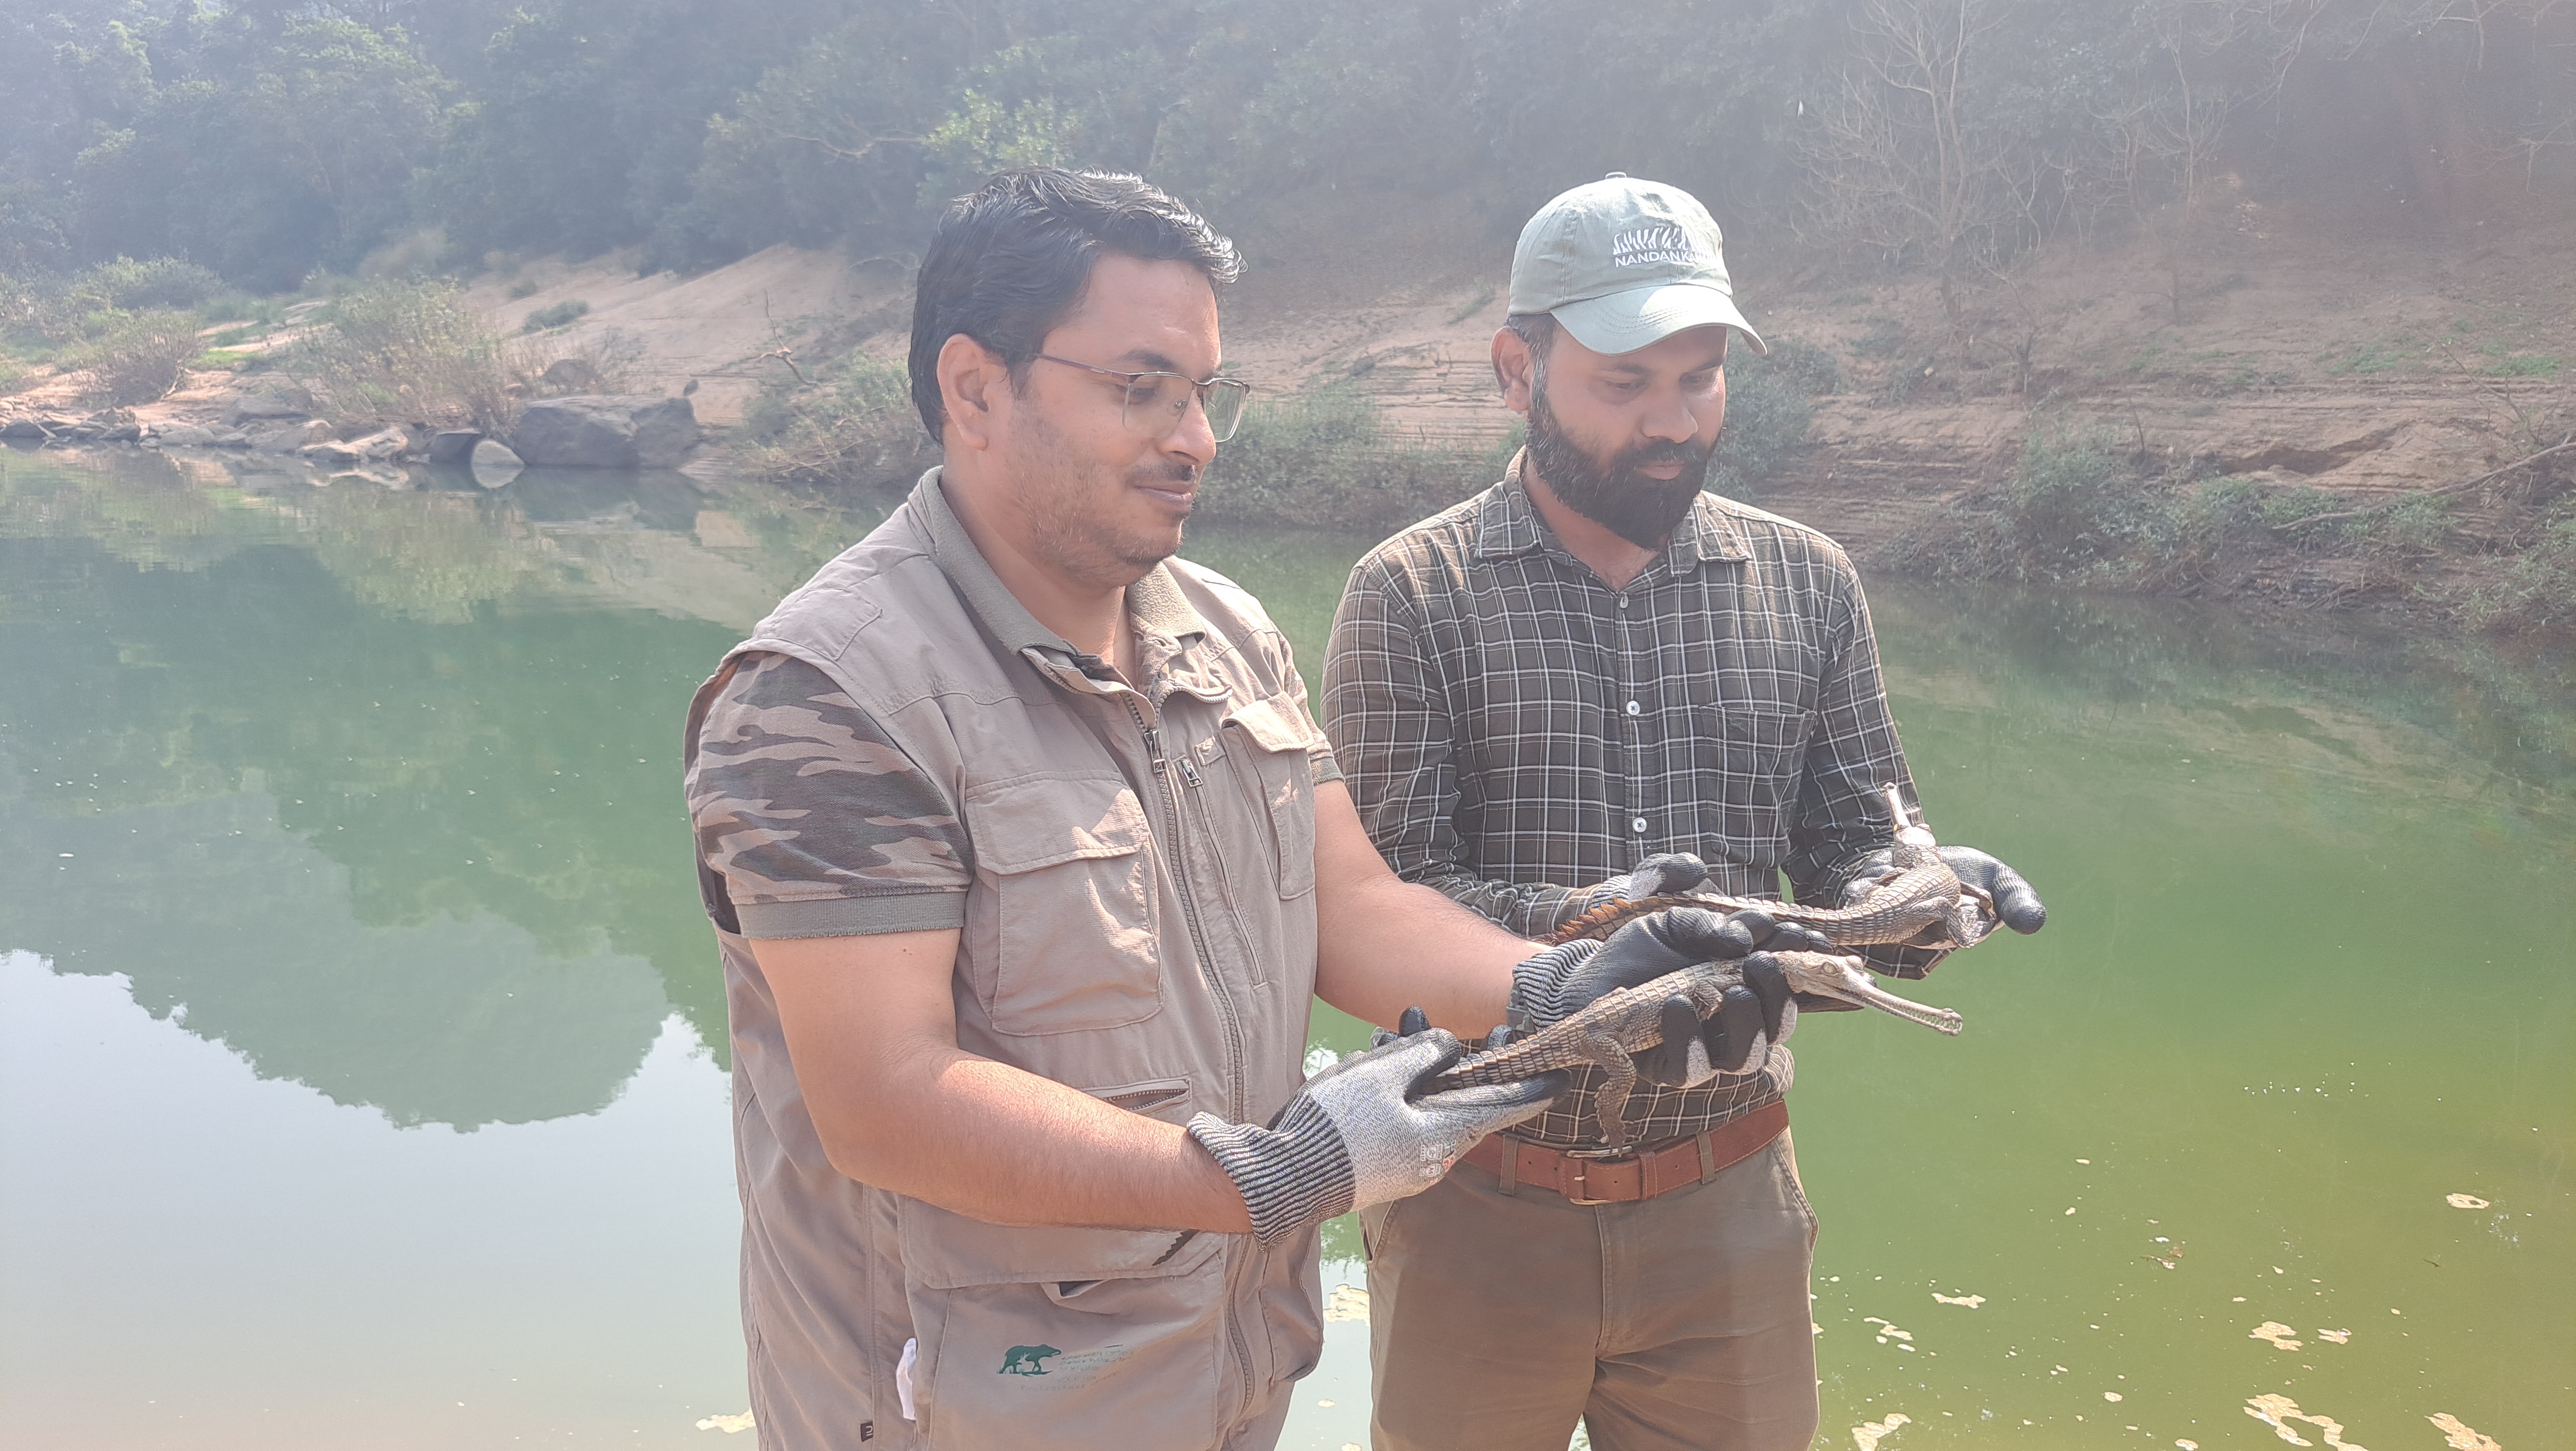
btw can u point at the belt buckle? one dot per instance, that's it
(1583, 1185)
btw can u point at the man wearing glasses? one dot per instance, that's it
(1025, 857)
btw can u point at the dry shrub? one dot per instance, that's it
(414, 352)
(855, 427)
(138, 359)
(411, 351)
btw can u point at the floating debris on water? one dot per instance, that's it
(2110, 1395)
(726, 1424)
(2339, 1337)
(1346, 1303)
(2464, 1201)
(2188, 1445)
(1887, 1330)
(2278, 1334)
(2459, 1437)
(1868, 1434)
(1971, 1301)
(2277, 1411)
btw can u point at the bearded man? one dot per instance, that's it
(1589, 667)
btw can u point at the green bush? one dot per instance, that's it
(1767, 412)
(125, 285)
(559, 315)
(1329, 458)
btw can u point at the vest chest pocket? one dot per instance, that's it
(1061, 929)
(1269, 740)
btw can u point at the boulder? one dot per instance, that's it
(454, 446)
(184, 435)
(22, 428)
(250, 407)
(387, 443)
(288, 437)
(331, 453)
(493, 464)
(230, 438)
(605, 431)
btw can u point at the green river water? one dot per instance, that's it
(362, 1049)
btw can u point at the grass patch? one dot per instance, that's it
(562, 314)
(2535, 592)
(2524, 365)
(1472, 306)
(1330, 458)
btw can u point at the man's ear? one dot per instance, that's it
(1515, 369)
(972, 381)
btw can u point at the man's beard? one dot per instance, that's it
(1637, 507)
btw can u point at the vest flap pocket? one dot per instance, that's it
(1282, 774)
(948, 1251)
(1061, 930)
(1047, 819)
(1275, 724)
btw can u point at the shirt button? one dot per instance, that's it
(1634, 708)
(1623, 602)
(1638, 826)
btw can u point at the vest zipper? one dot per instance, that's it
(1216, 982)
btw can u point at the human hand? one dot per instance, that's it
(1353, 1135)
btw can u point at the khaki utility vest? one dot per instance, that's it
(1141, 926)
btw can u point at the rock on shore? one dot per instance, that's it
(605, 431)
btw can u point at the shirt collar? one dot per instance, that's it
(1155, 605)
(1510, 524)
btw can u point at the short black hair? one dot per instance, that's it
(1010, 259)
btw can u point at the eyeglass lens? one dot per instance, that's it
(1157, 401)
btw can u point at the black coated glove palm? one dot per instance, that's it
(1562, 981)
(2016, 905)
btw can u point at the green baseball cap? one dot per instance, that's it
(1624, 263)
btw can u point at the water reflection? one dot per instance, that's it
(373, 784)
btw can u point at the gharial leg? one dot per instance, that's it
(1618, 1080)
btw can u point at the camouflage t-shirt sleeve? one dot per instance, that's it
(818, 823)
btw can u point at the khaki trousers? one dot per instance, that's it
(1679, 1323)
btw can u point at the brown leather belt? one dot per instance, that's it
(1630, 1177)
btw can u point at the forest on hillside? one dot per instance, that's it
(266, 141)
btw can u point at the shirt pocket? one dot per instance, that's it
(1066, 907)
(1270, 740)
(1759, 757)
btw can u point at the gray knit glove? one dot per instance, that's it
(1352, 1136)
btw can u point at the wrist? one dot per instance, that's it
(1290, 1177)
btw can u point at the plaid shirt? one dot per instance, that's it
(1512, 729)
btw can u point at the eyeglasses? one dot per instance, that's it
(1157, 402)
